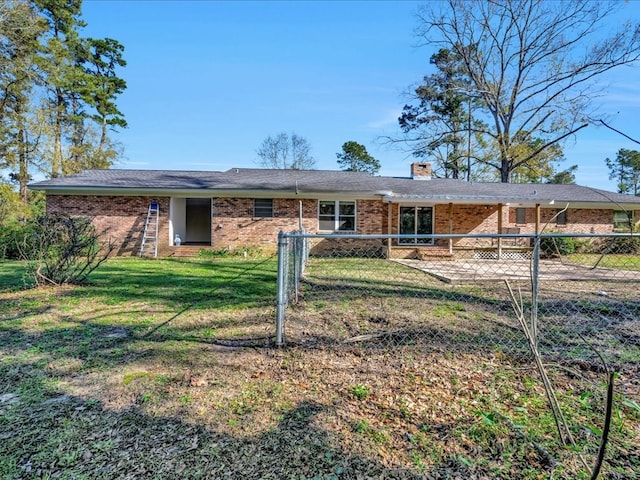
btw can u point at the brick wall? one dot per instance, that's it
(121, 219)
(234, 224)
(578, 220)
(118, 219)
(372, 216)
(450, 218)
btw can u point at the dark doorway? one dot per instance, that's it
(198, 221)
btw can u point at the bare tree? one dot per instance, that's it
(532, 63)
(286, 152)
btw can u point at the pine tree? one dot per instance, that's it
(20, 29)
(355, 158)
(625, 170)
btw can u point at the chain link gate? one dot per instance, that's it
(568, 304)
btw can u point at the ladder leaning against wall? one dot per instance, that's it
(150, 235)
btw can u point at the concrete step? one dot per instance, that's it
(433, 253)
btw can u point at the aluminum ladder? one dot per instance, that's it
(150, 235)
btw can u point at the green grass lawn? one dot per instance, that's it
(618, 262)
(12, 275)
(219, 283)
(166, 368)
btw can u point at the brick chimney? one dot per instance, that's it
(421, 171)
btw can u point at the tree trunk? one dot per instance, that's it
(505, 170)
(103, 135)
(23, 165)
(56, 161)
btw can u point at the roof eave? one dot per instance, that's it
(387, 196)
(510, 201)
(204, 192)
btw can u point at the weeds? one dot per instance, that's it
(359, 391)
(163, 368)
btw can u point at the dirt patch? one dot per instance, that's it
(389, 376)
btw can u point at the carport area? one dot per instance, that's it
(462, 271)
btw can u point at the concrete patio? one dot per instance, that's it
(473, 270)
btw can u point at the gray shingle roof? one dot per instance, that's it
(325, 182)
(233, 179)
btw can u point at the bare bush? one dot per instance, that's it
(63, 249)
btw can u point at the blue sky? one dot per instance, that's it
(208, 81)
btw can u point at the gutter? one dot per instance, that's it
(386, 196)
(511, 201)
(205, 193)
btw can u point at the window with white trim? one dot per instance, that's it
(622, 221)
(337, 216)
(416, 221)
(521, 216)
(263, 207)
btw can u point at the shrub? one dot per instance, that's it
(14, 219)
(63, 249)
(12, 235)
(551, 247)
(623, 245)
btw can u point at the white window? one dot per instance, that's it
(337, 216)
(623, 221)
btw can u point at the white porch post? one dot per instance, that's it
(450, 227)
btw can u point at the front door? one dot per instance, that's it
(416, 221)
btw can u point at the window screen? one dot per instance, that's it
(561, 219)
(263, 207)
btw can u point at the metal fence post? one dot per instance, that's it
(297, 262)
(282, 288)
(304, 242)
(535, 277)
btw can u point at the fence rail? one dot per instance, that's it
(604, 269)
(566, 303)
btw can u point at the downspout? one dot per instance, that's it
(300, 225)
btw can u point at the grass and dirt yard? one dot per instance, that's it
(166, 369)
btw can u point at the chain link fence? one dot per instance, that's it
(566, 306)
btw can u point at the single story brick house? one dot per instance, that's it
(248, 207)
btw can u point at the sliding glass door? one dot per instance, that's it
(416, 221)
